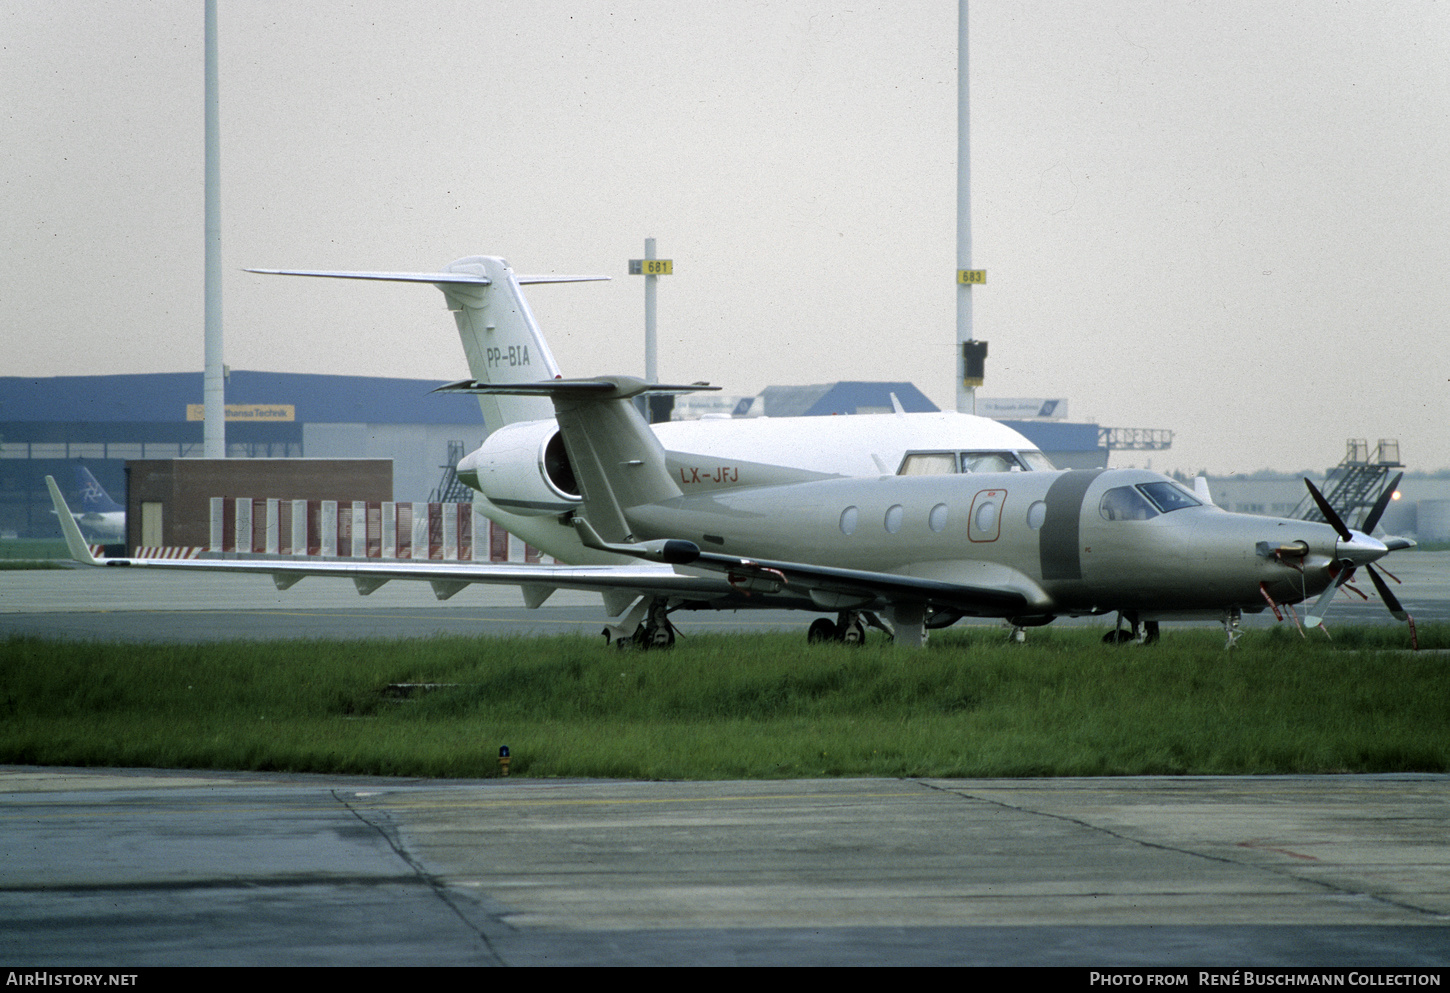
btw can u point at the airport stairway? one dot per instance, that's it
(1353, 486)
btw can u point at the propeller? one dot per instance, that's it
(1362, 550)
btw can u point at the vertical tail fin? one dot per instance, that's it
(94, 498)
(500, 336)
(617, 460)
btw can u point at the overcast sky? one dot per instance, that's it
(1228, 218)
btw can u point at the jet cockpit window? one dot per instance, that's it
(1169, 497)
(989, 462)
(945, 463)
(1125, 503)
(929, 464)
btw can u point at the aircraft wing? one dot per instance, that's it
(446, 578)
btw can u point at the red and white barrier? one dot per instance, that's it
(442, 532)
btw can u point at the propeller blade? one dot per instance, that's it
(1378, 510)
(1330, 515)
(1315, 617)
(1389, 598)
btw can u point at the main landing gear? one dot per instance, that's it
(849, 627)
(1144, 634)
(653, 629)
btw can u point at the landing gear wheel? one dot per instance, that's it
(1118, 636)
(1150, 632)
(822, 629)
(850, 630)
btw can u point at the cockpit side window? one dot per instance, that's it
(1124, 503)
(1169, 497)
(1036, 461)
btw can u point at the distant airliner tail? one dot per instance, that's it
(94, 498)
(501, 338)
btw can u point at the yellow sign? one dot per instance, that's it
(971, 275)
(254, 412)
(651, 267)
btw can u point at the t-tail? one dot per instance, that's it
(94, 498)
(616, 459)
(500, 335)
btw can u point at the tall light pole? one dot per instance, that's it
(214, 430)
(971, 354)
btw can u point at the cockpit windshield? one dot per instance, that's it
(1145, 501)
(946, 463)
(990, 462)
(1169, 497)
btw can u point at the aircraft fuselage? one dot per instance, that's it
(1060, 538)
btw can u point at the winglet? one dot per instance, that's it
(74, 542)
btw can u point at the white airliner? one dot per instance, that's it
(522, 473)
(102, 519)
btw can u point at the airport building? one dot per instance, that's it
(49, 425)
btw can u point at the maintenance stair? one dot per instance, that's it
(1353, 486)
(450, 488)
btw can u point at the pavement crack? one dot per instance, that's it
(1285, 871)
(439, 888)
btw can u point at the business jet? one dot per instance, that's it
(522, 473)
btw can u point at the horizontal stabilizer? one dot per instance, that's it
(436, 278)
(603, 387)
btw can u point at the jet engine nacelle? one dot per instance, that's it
(523, 469)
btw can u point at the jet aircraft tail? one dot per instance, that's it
(500, 335)
(94, 498)
(617, 460)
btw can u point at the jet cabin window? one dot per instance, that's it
(1144, 501)
(947, 463)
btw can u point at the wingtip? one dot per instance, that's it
(75, 543)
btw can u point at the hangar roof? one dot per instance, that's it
(163, 397)
(843, 398)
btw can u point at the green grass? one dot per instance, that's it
(13, 549)
(760, 706)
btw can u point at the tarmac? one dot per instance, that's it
(122, 868)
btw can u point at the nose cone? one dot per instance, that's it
(467, 469)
